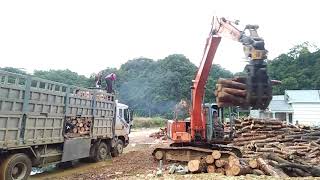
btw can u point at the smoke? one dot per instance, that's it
(140, 95)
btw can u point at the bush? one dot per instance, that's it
(143, 122)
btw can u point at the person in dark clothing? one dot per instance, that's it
(98, 80)
(110, 78)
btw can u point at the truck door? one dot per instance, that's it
(122, 127)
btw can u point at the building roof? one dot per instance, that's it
(278, 103)
(299, 96)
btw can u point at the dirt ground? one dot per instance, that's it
(136, 160)
(136, 163)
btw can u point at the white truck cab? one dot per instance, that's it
(123, 126)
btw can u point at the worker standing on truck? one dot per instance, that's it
(110, 78)
(98, 80)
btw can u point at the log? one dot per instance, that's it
(220, 170)
(194, 165)
(220, 163)
(258, 172)
(74, 130)
(253, 163)
(250, 138)
(211, 169)
(271, 150)
(216, 154)
(267, 169)
(275, 157)
(256, 141)
(238, 169)
(313, 170)
(233, 160)
(209, 159)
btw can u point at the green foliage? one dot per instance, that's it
(64, 76)
(152, 88)
(142, 122)
(297, 69)
(14, 70)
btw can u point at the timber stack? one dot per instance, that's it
(291, 148)
(231, 165)
(269, 147)
(78, 126)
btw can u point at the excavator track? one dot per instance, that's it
(179, 153)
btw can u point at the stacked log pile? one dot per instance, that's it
(218, 162)
(269, 147)
(78, 126)
(279, 145)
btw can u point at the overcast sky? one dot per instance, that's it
(88, 36)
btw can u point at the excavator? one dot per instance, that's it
(202, 133)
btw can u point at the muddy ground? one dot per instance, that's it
(136, 160)
(135, 163)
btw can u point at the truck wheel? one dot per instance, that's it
(15, 167)
(102, 152)
(118, 149)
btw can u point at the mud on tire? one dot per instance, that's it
(15, 167)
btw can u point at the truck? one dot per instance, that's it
(44, 122)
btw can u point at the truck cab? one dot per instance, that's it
(123, 124)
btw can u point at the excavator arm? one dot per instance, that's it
(258, 92)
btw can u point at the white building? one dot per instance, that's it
(295, 106)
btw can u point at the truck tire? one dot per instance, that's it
(118, 148)
(15, 167)
(102, 152)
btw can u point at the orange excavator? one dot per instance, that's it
(201, 134)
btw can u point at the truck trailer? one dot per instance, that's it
(44, 122)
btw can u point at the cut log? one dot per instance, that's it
(238, 169)
(74, 130)
(253, 163)
(233, 160)
(220, 170)
(209, 159)
(216, 154)
(194, 165)
(220, 163)
(210, 169)
(269, 170)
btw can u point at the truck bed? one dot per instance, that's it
(33, 111)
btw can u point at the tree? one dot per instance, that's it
(64, 76)
(14, 70)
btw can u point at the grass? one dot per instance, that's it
(144, 122)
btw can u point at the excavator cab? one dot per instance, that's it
(214, 122)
